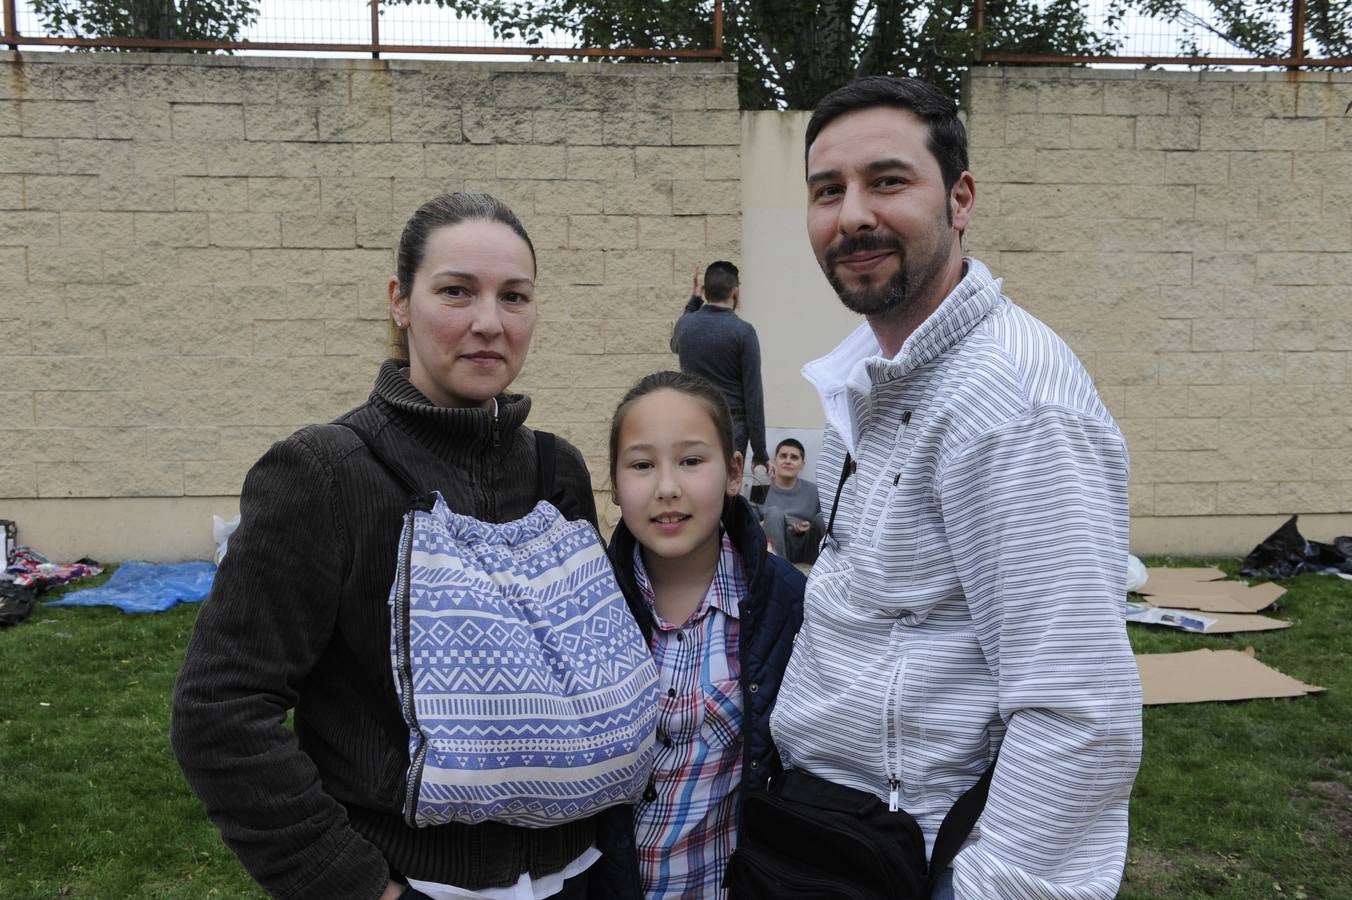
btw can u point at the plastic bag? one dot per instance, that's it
(1285, 553)
(220, 533)
(1136, 574)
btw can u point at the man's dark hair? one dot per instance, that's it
(720, 280)
(794, 443)
(947, 137)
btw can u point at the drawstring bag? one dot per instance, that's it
(529, 694)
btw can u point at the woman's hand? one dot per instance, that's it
(392, 891)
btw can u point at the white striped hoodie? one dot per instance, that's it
(973, 597)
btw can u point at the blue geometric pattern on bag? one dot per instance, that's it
(530, 695)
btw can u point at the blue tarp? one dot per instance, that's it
(141, 587)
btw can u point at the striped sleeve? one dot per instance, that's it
(1038, 507)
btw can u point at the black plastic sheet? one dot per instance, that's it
(1286, 552)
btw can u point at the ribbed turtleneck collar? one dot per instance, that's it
(447, 431)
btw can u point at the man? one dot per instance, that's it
(714, 343)
(792, 512)
(969, 596)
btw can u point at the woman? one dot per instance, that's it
(298, 617)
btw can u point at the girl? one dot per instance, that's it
(719, 613)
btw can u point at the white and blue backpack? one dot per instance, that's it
(529, 694)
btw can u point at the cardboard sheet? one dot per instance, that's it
(1195, 589)
(1201, 676)
(1199, 622)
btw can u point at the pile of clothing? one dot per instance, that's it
(28, 575)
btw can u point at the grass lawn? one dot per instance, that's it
(1241, 800)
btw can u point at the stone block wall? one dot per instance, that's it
(1190, 235)
(194, 250)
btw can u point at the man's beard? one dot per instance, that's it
(869, 298)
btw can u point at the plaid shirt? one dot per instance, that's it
(686, 824)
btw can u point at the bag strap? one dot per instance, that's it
(958, 823)
(390, 465)
(545, 456)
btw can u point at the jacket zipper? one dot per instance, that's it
(891, 740)
(882, 483)
(400, 624)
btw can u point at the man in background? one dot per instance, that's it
(713, 342)
(792, 512)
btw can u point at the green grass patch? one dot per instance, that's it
(1234, 800)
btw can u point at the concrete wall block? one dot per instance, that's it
(242, 84)
(1293, 201)
(277, 195)
(453, 87)
(562, 198)
(13, 265)
(179, 443)
(1042, 130)
(1287, 268)
(986, 130)
(287, 266)
(600, 163)
(669, 162)
(349, 195)
(371, 267)
(529, 90)
(1316, 368)
(723, 163)
(217, 478)
(247, 229)
(1191, 368)
(1125, 368)
(638, 267)
(572, 267)
(288, 337)
(1192, 301)
(639, 128)
(675, 93)
(1316, 496)
(606, 92)
(1186, 167)
(1185, 499)
(426, 125)
(214, 337)
(410, 193)
(1329, 168)
(1235, 498)
(459, 161)
(354, 124)
(706, 127)
(1102, 132)
(1198, 98)
(168, 229)
(56, 337)
(1254, 368)
(673, 232)
(298, 160)
(642, 197)
(33, 228)
(1070, 97)
(1135, 98)
(1334, 268)
(489, 125)
(1099, 167)
(1302, 135)
(9, 120)
(1004, 166)
(534, 161)
(152, 158)
(366, 339)
(704, 198)
(281, 123)
(243, 158)
(1225, 203)
(1232, 133)
(312, 87)
(1320, 99)
(207, 121)
(1168, 132)
(98, 230)
(1218, 335)
(1174, 202)
(566, 126)
(57, 118)
(720, 92)
(210, 194)
(1338, 134)
(651, 336)
(36, 81)
(127, 478)
(1266, 99)
(1227, 269)
(602, 232)
(11, 192)
(396, 88)
(518, 194)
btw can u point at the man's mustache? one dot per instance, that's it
(862, 242)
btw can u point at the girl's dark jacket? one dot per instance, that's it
(770, 615)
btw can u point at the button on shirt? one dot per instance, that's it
(686, 822)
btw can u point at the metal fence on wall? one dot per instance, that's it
(350, 26)
(1192, 37)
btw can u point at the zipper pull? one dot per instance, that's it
(493, 429)
(894, 795)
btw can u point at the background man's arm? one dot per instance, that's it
(753, 399)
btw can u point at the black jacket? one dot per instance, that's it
(298, 619)
(770, 616)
